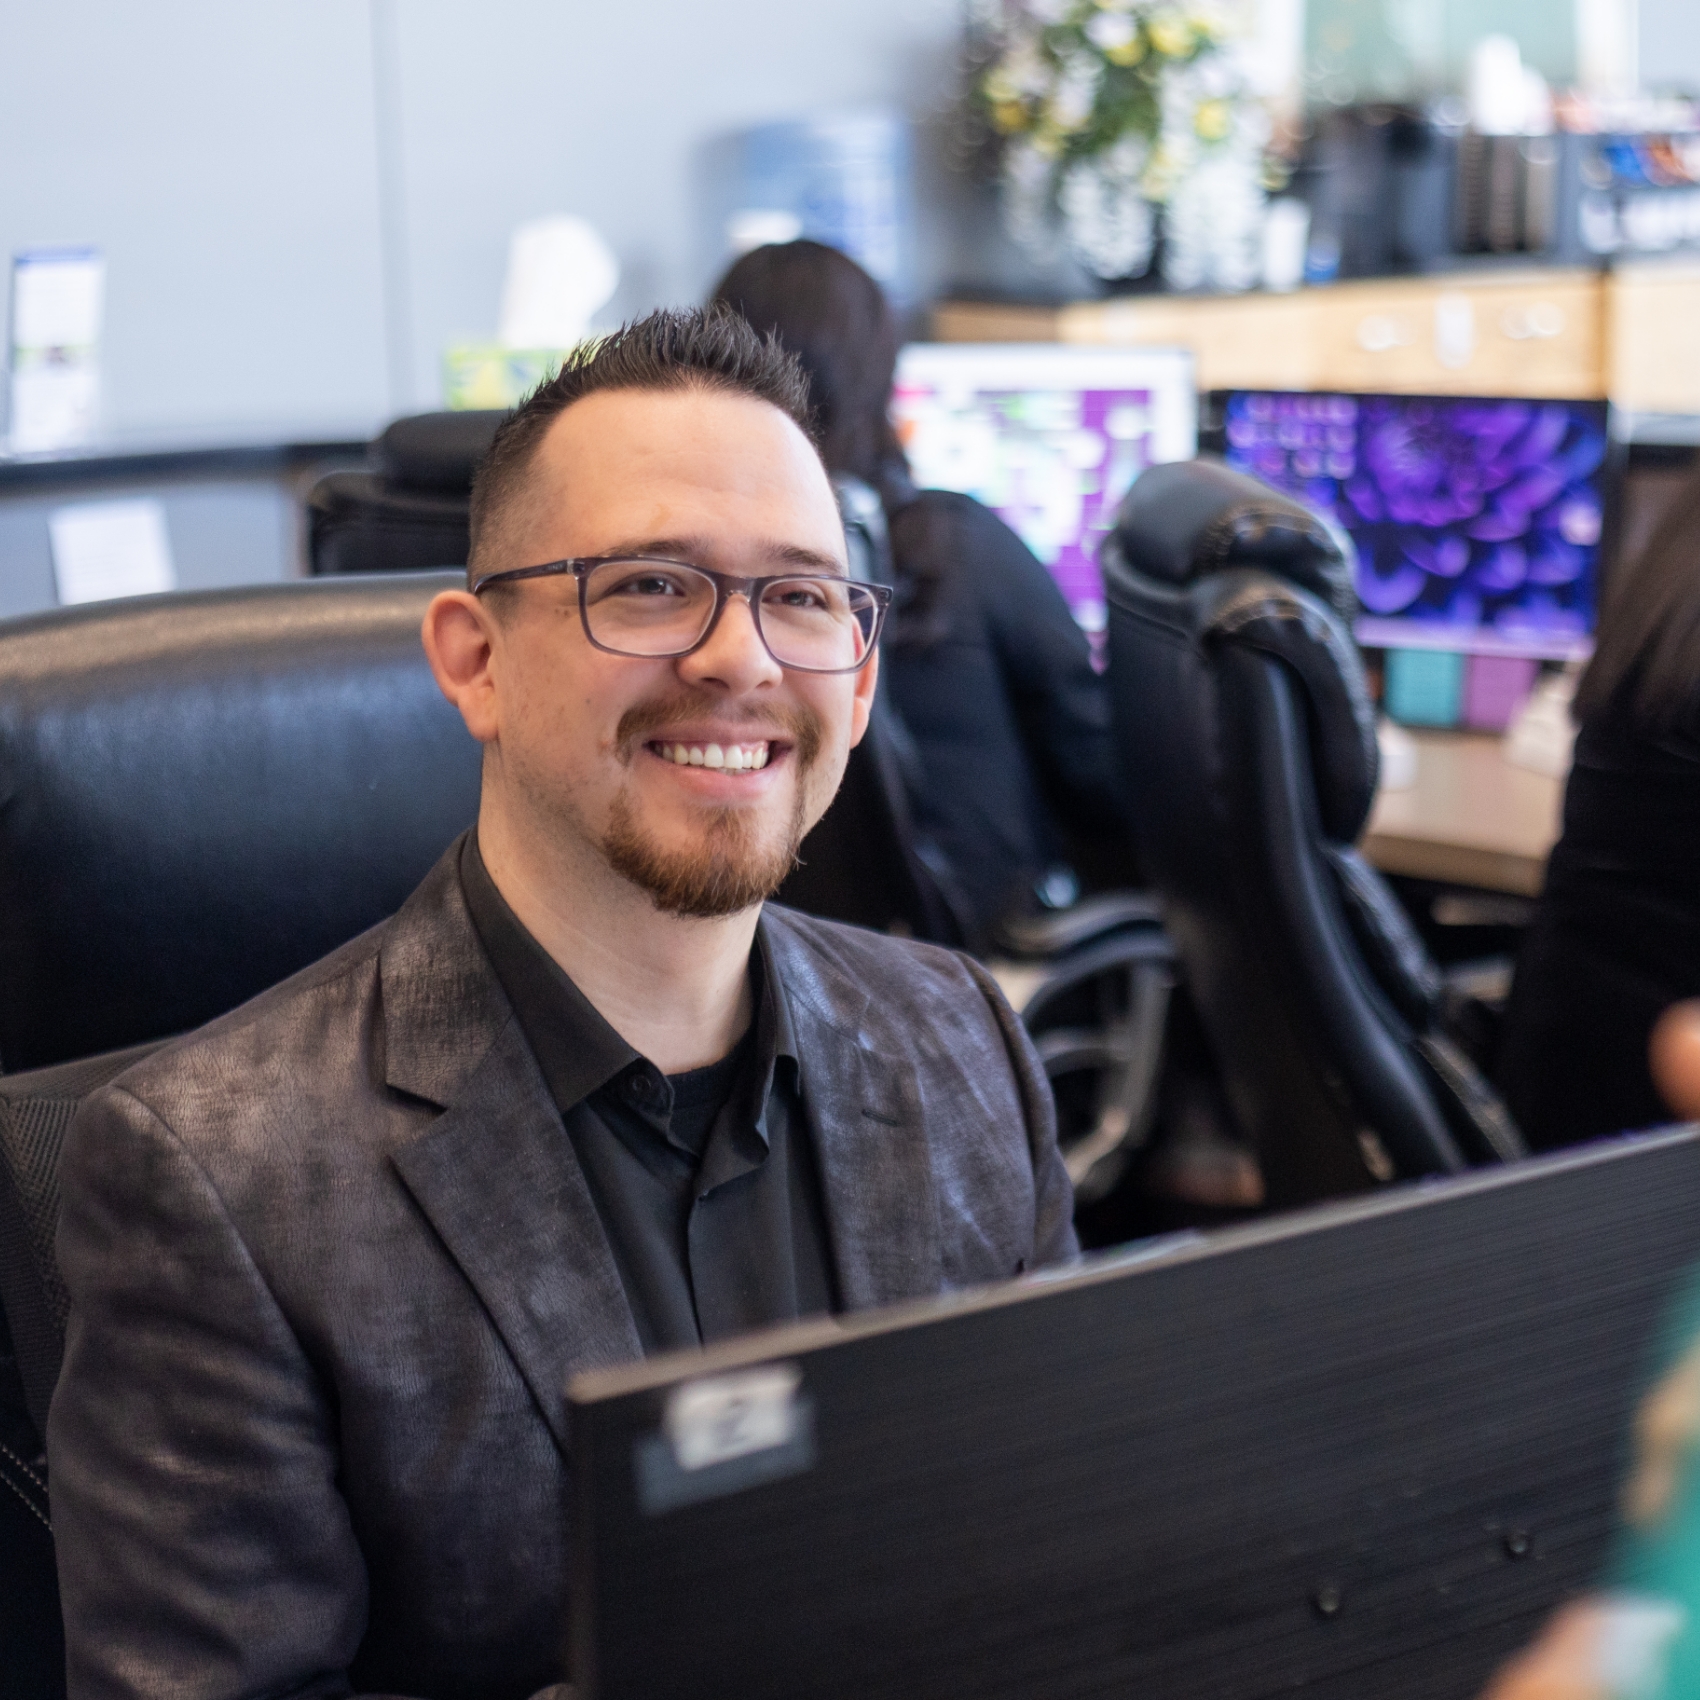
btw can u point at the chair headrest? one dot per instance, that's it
(435, 451)
(1186, 520)
(201, 793)
(1258, 612)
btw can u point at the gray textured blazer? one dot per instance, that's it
(332, 1260)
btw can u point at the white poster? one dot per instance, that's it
(53, 363)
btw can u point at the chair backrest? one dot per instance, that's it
(201, 793)
(408, 510)
(35, 1110)
(1248, 738)
(32, 1643)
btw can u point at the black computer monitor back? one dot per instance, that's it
(1354, 1453)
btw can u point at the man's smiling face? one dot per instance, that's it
(697, 777)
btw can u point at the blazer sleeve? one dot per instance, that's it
(204, 1550)
(1053, 1192)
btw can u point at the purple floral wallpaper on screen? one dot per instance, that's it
(1477, 523)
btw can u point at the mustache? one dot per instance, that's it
(793, 724)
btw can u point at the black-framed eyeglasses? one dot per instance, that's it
(654, 609)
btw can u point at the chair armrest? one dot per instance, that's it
(1050, 933)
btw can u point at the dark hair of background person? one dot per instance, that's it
(835, 318)
(1647, 655)
(671, 349)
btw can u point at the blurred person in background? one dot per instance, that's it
(982, 660)
(1639, 1639)
(1616, 938)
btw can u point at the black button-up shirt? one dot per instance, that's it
(705, 1182)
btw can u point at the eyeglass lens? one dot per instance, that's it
(648, 608)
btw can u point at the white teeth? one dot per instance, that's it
(733, 758)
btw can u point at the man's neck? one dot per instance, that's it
(676, 990)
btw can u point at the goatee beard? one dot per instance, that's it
(729, 870)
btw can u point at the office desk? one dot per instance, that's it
(232, 507)
(1470, 819)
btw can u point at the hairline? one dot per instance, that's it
(678, 382)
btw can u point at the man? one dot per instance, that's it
(333, 1258)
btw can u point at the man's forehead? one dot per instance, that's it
(692, 432)
(637, 465)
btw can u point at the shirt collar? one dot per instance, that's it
(576, 1049)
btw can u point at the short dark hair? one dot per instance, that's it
(674, 348)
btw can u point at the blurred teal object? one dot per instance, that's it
(1651, 1644)
(1425, 687)
(840, 179)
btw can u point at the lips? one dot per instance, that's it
(728, 758)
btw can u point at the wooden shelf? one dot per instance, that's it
(1632, 335)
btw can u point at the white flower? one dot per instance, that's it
(1109, 223)
(1027, 198)
(1108, 31)
(1125, 162)
(1214, 225)
(1050, 11)
(1025, 70)
(1075, 93)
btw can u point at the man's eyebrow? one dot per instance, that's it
(695, 548)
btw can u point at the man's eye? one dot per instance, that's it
(798, 596)
(648, 584)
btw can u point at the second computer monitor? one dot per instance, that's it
(1048, 437)
(1478, 521)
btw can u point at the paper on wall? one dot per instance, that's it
(107, 549)
(54, 348)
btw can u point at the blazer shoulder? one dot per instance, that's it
(282, 1029)
(873, 959)
(894, 993)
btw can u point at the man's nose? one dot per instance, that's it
(734, 656)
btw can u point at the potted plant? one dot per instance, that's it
(1106, 116)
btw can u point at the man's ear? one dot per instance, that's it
(862, 704)
(459, 639)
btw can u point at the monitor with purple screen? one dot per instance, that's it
(1477, 521)
(1049, 437)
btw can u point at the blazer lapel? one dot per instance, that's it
(866, 1113)
(496, 1174)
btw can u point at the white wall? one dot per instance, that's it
(302, 201)
(1670, 43)
(513, 108)
(223, 157)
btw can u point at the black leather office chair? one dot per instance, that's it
(199, 794)
(408, 510)
(32, 1650)
(204, 792)
(35, 1110)
(1249, 742)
